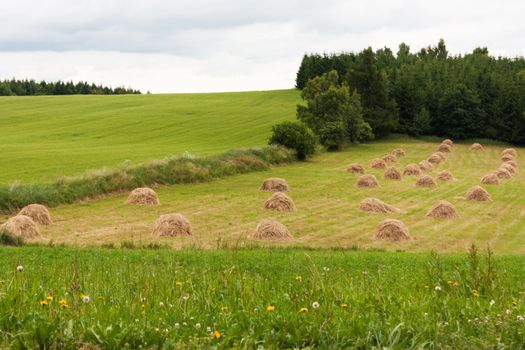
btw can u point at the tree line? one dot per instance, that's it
(355, 96)
(26, 87)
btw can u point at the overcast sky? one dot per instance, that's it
(225, 45)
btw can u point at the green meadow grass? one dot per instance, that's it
(44, 137)
(255, 299)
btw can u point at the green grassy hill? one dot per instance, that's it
(44, 137)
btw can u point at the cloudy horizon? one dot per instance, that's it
(216, 45)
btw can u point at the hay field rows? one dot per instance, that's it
(226, 211)
(44, 137)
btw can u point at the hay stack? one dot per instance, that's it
(398, 152)
(503, 173)
(37, 212)
(269, 229)
(447, 142)
(443, 210)
(435, 159)
(172, 225)
(22, 225)
(425, 165)
(510, 151)
(378, 164)
(355, 168)
(392, 174)
(279, 202)
(392, 230)
(390, 158)
(143, 196)
(490, 179)
(274, 184)
(426, 181)
(444, 148)
(512, 163)
(476, 147)
(507, 157)
(509, 168)
(377, 206)
(367, 181)
(412, 169)
(445, 175)
(478, 193)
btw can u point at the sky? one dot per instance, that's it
(167, 46)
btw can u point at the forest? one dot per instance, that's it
(31, 87)
(430, 92)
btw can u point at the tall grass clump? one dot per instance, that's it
(169, 171)
(9, 239)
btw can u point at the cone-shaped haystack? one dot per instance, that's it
(355, 168)
(392, 230)
(507, 157)
(443, 210)
(22, 225)
(512, 163)
(510, 151)
(143, 196)
(444, 148)
(392, 174)
(378, 164)
(447, 142)
(279, 202)
(274, 184)
(37, 212)
(476, 147)
(398, 152)
(478, 193)
(435, 159)
(509, 168)
(426, 181)
(367, 181)
(377, 206)
(490, 179)
(503, 173)
(172, 225)
(445, 175)
(390, 158)
(269, 229)
(412, 169)
(425, 165)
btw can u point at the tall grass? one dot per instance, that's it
(170, 171)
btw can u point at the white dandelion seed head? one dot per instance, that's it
(315, 305)
(508, 312)
(326, 269)
(184, 324)
(86, 299)
(208, 329)
(520, 318)
(492, 302)
(19, 268)
(161, 304)
(177, 325)
(198, 325)
(437, 289)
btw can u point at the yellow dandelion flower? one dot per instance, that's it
(475, 293)
(49, 298)
(303, 309)
(299, 279)
(344, 306)
(216, 334)
(450, 282)
(224, 309)
(178, 283)
(142, 307)
(270, 308)
(43, 302)
(63, 304)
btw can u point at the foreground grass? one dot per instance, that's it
(258, 298)
(44, 137)
(225, 212)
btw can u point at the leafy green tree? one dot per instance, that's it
(296, 136)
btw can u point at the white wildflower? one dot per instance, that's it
(86, 299)
(19, 268)
(177, 325)
(315, 305)
(198, 325)
(437, 289)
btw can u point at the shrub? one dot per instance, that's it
(294, 135)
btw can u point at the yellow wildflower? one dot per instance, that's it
(142, 307)
(63, 304)
(270, 308)
(216, 334)
(178, 283)
(49, 298)
(43, 302)
(299, 279)
(303, 309)
(475, 293)
(224, 309)
(344, 306)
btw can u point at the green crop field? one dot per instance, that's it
(45, 137)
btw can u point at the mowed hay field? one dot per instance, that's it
(44, 137)
(226, 212)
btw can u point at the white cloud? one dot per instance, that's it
(220, 45)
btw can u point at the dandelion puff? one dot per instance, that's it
(184, 324)
(326, 269)
(208, 329)
(177, 325)
(492, 302)
(508, 312)
(185, 296)
(520, 318)
(85, 299)
(437, 289)
(198, 325)
(315, 305)
(19, 268)
(161, 304)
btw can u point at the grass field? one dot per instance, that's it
(255, 299)
(44, 137)
(225, 212)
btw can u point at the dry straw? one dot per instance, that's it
(510, 151)
(143, 196)
(172, 225)
(22, 225)
(445, 148)
(412, 170)
(476, 147)
(269, 229)
(367, 181)
(447, 142)
(426, 181)
(398, 152)
(392, 230)
(279, 202)
(392, 174)
(275, 184)
(378, 164)
(375, 205)
(37, 212)
(445, 175)
(478, 193)
(425, 165)
(503, 173)
(355, 168)
(490, 179)
(390, 158)
(443, 210)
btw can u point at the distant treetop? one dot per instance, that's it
(26, 87)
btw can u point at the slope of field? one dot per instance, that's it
(225, 212)
(44, 137)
